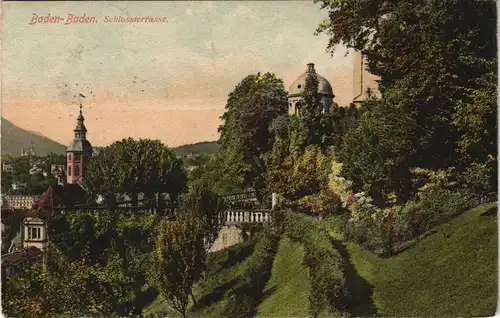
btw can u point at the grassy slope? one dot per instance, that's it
(450, 273)
(224, 270)
(286, 293)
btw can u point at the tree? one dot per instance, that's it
(212, 175)
(178, 261)
(113, 249)
(377, 152)
(309, 173)
(437, 63)
(250, 108)
(204, 205)
(134, 166)
(61, 289)
(432, 52)
(6, 182)
(475, 117)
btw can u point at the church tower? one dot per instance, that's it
(78, 153)
(363, 79)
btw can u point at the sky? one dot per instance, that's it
(167, 81)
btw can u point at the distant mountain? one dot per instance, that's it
(208, 147)
(14, 138)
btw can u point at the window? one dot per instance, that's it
(77, 171)
(34, 233)
(69, 171)
(69, 157)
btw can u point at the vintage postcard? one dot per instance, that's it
(249, 158)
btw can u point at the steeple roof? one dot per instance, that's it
(80, 142)
(79, 122)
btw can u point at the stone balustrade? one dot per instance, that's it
(242, 216)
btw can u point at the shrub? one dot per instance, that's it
(439, 206)
(246, 295)
(323, 260)
(439, 197)
(324, 203)
(478, 182)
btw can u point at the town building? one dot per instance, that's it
(19, 201)
(35, 169)
(19, 260)
(35, 233)
(19, 185)
(28, 153)
(78, 153)
(8, 167)
(297, 89)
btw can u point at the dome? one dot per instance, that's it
(297, 87)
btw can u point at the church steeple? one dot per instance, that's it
(80, 130)
(78, 152)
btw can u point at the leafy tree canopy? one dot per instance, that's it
(134, 166)
(250, 108)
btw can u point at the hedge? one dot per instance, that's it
(247, 294)
(325, 264)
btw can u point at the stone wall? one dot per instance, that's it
(229, 235)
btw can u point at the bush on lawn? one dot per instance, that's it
(246, 295)
(323, 260)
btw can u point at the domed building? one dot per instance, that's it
(297, 89)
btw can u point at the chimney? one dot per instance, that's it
(310, 68)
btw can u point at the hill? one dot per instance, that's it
(287, 297)
(207, 147)
(452, 272)
(14, 138)
(282, 296)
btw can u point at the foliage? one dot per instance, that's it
(178, 261)
(452, 272)
(62, 288)
(114, 248)
(133, 166)
(250, 108)
(477, 180)
(326, 202)
(438, 198)
(247, 294)
(377, 152)
(249, 230)
(322, 123)
(324, 262)
(306, 175)
(6, 182)
(211, 174)
(204, 205)
(37, 180)
(437, 63)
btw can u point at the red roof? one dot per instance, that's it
(30, 253)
